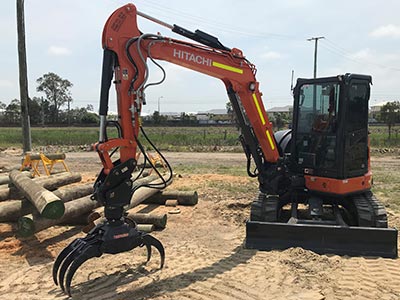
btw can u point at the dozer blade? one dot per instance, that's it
(323, 239)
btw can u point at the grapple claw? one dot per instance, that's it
(149, 241)
(84, 255)
(60, 258)
(67, 262)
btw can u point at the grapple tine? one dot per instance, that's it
(152, 241)
(60, 258)
(148, 247)
(86, 254)
(67, 262)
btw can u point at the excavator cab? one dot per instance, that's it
(330, 126)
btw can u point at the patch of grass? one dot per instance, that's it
(235, 188)
(387, 185)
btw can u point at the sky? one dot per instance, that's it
(64, 37)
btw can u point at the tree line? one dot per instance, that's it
(50, 108)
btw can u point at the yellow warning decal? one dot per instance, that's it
(258, 108)
(226, 67)
(271, 142)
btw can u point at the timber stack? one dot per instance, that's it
(39, 203)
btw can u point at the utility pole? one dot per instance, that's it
(159, 98)
(23, 78)
(315, 52)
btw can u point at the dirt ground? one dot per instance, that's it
(205, 257)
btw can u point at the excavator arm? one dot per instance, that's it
(126, 51)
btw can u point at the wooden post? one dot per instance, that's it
(48, 204)
(11, 210)
(23, 78)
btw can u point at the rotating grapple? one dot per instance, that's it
(117, 234)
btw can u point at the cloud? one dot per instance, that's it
(363, 54)
(270, 55)
(58, 51)
(390, 30)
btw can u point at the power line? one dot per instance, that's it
(337, 50)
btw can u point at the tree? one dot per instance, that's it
(13, 112)
(57, 91)
(390, 114)
(35, 110)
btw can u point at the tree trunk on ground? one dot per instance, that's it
(158, 220)
(47, 204)
(11, 210)
(183, 197)
(49, 183)
(6, 179)
(30, 224)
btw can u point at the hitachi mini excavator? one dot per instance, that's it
(314, 179)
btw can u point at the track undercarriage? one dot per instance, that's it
(353, 225)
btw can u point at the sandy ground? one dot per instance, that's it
(205, 257)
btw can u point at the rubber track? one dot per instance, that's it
(265, 208)
(371, 213)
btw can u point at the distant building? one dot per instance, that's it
(214, 116)
(375, 110)
(281, 109)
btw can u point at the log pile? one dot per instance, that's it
(39, 203)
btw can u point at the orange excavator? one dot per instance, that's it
(314, 179)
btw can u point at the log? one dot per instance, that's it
(51, 156)
(32, 223)
(145, 227)
(183, 197)
(6, 179)
(171, 203)
(143, 193)
(158, 220)
(47, 203)
(49, 183)
(11, 210)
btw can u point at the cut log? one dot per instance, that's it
(52, 156)
(6, 179)
(11, 210)
(49, 183)
(145, 227)
(171, 203)
(32, 223)
(158, 220)
(48, 205)
(183, 197)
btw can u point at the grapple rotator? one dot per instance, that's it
(117, 234)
